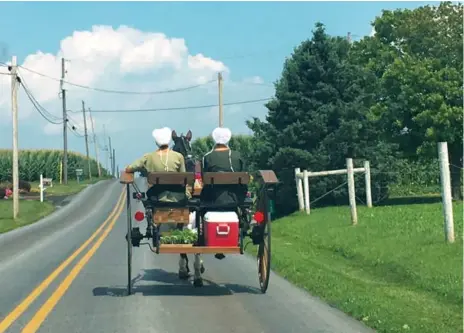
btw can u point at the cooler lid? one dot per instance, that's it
(221, 217)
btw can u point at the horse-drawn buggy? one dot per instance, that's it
(253, 218)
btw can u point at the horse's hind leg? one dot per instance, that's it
(183, 267)
(199, 269)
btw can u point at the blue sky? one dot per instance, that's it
(251, 38)
(254, 37)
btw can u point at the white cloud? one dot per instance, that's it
(372, 32)
(127, 59)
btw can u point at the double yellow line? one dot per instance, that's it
(34, 324)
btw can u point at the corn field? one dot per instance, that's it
(32, 163)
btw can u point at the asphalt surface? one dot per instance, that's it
(90, 296)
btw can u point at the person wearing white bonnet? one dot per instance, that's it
(222, 136)
(162, 136)
(222, 159)
(163, 160)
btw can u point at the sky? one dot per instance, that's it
(147, 47)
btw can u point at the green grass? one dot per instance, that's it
(29, 212)
(33, 210)
(393, 270)
(71, 188)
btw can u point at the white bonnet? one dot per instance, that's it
(162, 136)
(222, 135)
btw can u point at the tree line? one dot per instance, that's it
(387, 98)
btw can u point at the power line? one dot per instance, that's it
(184, 107)
(35, 102)
(73, 126)
(38, 107)
(167, 91)
(75, 132)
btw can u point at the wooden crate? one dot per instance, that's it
(171, 215)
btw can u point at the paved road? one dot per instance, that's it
(89, 294)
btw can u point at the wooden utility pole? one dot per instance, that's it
(113, 168)
(14, 110)
(221, 114)
(105, 147)
(96, 144)
(86, 141)
(111, 155)
(65, 125)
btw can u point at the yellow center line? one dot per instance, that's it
(34, 324)
(24, 305)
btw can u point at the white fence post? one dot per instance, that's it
(446, 191)
(299, 189)
(351, 191)
(41, 186)
(306, 191)
(367, 177)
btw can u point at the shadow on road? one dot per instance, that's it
(168, 284)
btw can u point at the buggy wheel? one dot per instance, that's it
(264, 257)
(129, 243)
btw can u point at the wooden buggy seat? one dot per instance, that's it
(167, 212)
(171, 212)
(232, 181)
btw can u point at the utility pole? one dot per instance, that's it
(113, 169)
(105, 147)
(14, 111)
(221, 114)
(110, 150)
(96, 144)
(111, 155)
(65, 126)
(86, 140)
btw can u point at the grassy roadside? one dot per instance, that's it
(393, 271)
(72, 187)
(33, 210)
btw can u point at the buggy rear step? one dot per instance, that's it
(185, 248)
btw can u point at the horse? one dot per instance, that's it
(182, 146)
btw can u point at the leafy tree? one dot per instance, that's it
(417, 55)
(318, 118)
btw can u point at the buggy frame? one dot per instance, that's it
(158, 213)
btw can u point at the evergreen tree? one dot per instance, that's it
(317, 118)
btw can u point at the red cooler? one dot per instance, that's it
(221, 229)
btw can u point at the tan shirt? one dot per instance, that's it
(162, 161)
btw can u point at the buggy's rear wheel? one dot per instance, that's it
(129, 243)
(264, 257)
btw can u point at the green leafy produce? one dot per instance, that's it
(186, 236)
